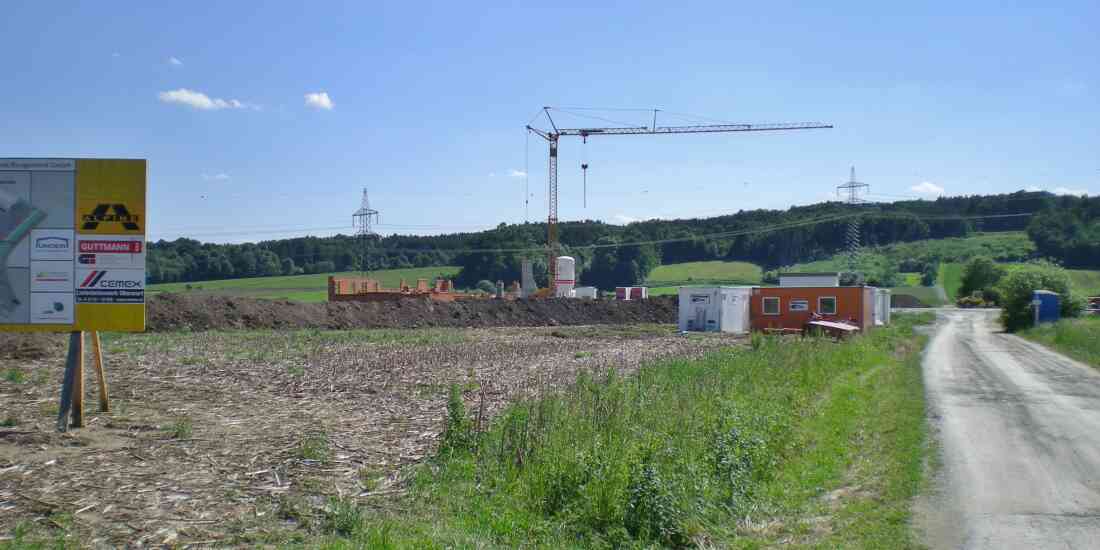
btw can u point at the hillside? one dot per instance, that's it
(610, 255)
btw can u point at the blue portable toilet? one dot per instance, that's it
(1047, 304)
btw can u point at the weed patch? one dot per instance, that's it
(181, 428)
(314, 447)
(15, 376)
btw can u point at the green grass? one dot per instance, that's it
(737, 449)
(1007, 246)
(929, 296)
(950, 278)
(705, 273)
(1085, 282)
(306, 288)
(1077, 338)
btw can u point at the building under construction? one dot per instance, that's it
(362, 289)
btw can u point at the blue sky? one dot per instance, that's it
(425, 103)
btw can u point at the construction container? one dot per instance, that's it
(715, 309)
(631, 293)
(585, 292)
(791, 308)
(1048, 306)
(809, 279)
(567, 275)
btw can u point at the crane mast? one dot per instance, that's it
(553, 136)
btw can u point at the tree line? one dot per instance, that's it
(1067, 229)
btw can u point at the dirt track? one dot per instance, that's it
(167, 312)
(1020, 429)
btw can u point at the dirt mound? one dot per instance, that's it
(30, 345)
(905, 300)
(167, 312)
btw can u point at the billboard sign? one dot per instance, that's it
(72, 245)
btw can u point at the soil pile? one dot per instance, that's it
(169, 312)
(30, 345)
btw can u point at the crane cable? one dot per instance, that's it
(584, 168)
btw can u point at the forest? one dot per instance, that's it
(1065, 229)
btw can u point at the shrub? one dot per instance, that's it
(458, 430)
(928, 274)
(652, 512)
(981, 274)
(1016, 290)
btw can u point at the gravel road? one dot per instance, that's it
(1019, 427)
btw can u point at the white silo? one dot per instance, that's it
(567, 274)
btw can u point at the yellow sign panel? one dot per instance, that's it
(72, 245)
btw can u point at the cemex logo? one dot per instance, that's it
(121, 215)
(98, 279)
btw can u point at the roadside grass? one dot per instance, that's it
(705, 273)
(307, 287)
(950, 278)
(795, 443)
(1077, 338)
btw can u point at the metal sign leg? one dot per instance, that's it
(72, 362)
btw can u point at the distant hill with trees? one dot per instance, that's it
(1065, 229)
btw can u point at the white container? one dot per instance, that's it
(567, 275)
(882, 306)
(586, 292)
(804, 280)
(715, 309)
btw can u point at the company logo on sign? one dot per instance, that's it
(111, 247)
(111, 213)
(86, 259)
(51, 243)
(111, 286)
(98, 279)
(51, 277)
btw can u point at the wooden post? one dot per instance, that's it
(71, 362)
(78, 383)
(104, 394)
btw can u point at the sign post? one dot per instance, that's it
(72, 257)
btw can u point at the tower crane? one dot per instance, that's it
(553, 135)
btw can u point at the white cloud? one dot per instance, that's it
(1032, 189)
(174, 61)
(624, 219)
(513, 173)
(1068, 191)
(319, 100)
(201, 101)
(220, 176)
(927, 188)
